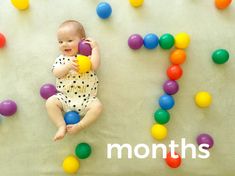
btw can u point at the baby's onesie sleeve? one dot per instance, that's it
(58, 62)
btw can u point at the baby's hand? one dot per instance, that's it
(92, 43)
(73, 65)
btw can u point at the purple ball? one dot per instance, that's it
(135, 41)
(170, 87)
(8, 108)
(47, 90)
(84, 48)
(205, 139)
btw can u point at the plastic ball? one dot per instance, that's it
(71, 117)
(103, 10)
(166, 102)
(220, 56)
(47, 90)
(170, 87)
(84, 63)
(203, 99)
(2, 40)
(84, 48)
(20, 4)
(83, 150)
(71, 165)
(182, 40)
(178, 56)
(167, 41)
(135, 41)
(162, 116)
(173, 162)
(8, 108)
(222, 4)
(174, 72)
(205, 139)
(136, 3)
(151, 41)
(159, 132)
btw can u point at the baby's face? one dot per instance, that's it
(68, 39)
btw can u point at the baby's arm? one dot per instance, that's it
(95, 56)
(62, 70)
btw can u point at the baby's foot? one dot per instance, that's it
(71, 129)
(60, 133)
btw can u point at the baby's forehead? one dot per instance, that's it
(67, 31)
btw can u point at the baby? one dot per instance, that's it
(76, 92)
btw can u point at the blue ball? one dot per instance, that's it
(103, 10)
(71, 117)
(166, 102)
(151, 41)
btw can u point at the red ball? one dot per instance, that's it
(2, 40)
(173, 162)
(174, 72)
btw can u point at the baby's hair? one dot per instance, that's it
(77, 25)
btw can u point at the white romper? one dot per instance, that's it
(76, 91)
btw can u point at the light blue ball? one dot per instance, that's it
(151, 41)
(103, 10)
(71, 117)
(166, 102)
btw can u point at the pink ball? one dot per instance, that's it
(205, 139)
(171, 87)
(47, 90)
(135, 41)
(8, 108)
(84, 48)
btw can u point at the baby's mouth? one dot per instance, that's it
(67, 50)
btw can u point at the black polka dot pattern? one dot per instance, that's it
(77, 91)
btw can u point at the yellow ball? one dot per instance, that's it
(182, 40)
(71, 165)
(136, 3)
(203, 99)
(84, 64)
(20, 4)
(159, 131)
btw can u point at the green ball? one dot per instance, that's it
(220, 56)
(167, 41)
(161, 116)
(83, 150)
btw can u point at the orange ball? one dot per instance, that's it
(174, 72)
(178, 56)
(173, 162)
(222, 4)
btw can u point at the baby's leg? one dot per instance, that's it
(92, 114)
(54, 109)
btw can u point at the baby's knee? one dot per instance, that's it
(50, 102)
(98, 106)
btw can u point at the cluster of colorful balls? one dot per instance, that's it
(170, 87)
(71, 163)
(166, 41)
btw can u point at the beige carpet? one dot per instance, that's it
(130, 83)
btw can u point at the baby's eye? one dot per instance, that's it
(60, 42)
(70, 40)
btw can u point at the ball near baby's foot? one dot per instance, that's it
(83, 150)
(71, 164)
(71, 117)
